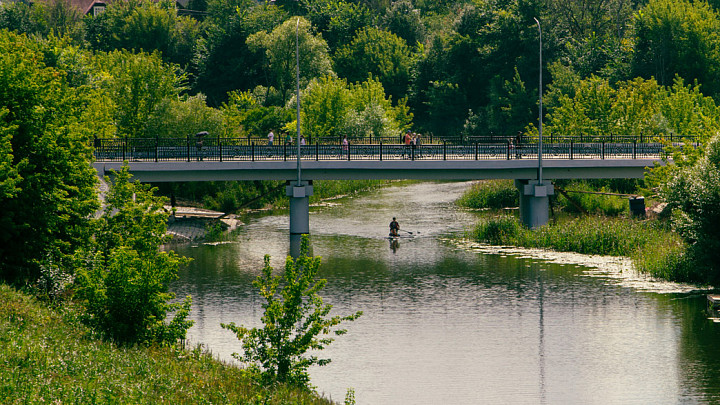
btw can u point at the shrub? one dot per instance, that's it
(294, 319)
(123, 281)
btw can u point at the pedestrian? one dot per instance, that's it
(199, 144)
(271, 137)
(418, 142)
(407, 140)
(345, 144)
(518, 139)
(288, 139)
(302, 139)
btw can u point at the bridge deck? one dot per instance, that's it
(159, 160)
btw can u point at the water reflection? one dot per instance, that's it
(444, 324)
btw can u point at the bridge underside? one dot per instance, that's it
(356, 170)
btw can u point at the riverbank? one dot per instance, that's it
(606, 228)
(48, 356)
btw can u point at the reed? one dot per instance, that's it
(47, 356)
(589, 234)
(490, 194)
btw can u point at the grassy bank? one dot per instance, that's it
(654, 249)
(47, 356)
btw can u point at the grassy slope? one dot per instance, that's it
(47, 356)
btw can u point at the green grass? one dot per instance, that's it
(599, 204)
(490, 194)
(47, 356)
(654, 249)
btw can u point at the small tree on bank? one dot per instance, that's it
(295, 321)
(123, 282)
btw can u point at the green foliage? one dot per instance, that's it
(280, 51)
(48, 356)
(339, 21)
(47, 186)
(224, 61)
(332, 108)
(295, 322)
(678, 38)
(607, 205)
(325, 106)
(145, 26)
(323, 189)
(136, 84)
(693, 194)
(405, 21)
(123, 282)
(244, 115)
(378, 54)
(490, 194)
(178, 117)
(639, 108)
(588, 235)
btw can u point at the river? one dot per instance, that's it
(446, 322)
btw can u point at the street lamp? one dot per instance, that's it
(297, 96)
(540, 118)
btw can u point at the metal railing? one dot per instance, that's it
(244, 149)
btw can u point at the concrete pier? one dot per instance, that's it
(299, 213)
(534, 202)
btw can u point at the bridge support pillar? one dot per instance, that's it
(299, 213)
(534, 202)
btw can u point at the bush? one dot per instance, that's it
(490, 194)
(294, 318)
(123, 281)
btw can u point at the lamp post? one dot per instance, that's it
(297, 96)
(540, 118)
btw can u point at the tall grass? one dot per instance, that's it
(648, 243)
(490, 194)
(47, 356)
(600, 204)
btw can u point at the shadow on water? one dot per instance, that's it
(443, 324)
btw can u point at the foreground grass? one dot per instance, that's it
(47, 356)
(654, 249)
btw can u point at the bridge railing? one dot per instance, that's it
(239, 149)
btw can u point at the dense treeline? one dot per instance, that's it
(447, 68)
(373, 67)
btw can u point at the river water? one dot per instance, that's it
(446, 322)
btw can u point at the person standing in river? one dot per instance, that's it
(394, 227)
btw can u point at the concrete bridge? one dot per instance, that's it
(179, 160)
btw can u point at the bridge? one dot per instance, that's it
(234, 159)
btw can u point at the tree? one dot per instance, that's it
(145, 27)
(379, 54)
(225, 61)
(338, 20)
(184, 116)
(123, 280)
(678, 38)
(47, 186)
(405, 21)
(693, 194)
(295, 321)
(136, 83)
(280, 46)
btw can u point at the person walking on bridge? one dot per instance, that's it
(394, 227)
